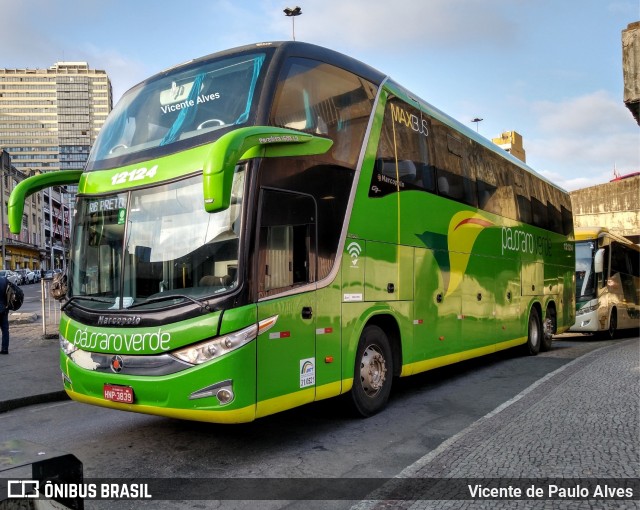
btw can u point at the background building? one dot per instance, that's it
(49, 119)
(27, 249)
(511, 142)
(631, 68)
(615, 205)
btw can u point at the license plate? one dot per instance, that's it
(117, 393)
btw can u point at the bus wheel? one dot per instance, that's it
(549, 328)
(373, 372)
(534, 333)
(610, 334)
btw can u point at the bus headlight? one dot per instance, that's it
(67, 347)
(210, 349)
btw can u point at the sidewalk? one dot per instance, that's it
(30, 373)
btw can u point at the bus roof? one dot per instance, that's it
(589, 233)
(285, 49)
(294, 49)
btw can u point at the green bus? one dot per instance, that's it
(278, 224)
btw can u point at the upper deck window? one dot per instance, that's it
(183, 104)
(327, 101)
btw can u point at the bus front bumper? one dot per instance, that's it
(198, 393)
(586, 323)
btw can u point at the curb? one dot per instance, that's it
(23, 318)
(43, 398)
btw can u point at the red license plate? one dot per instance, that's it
(117, 393)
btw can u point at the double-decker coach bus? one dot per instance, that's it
(278, 224)
(607, 282)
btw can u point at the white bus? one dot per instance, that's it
(607, 282)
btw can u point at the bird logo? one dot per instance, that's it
(453, 250)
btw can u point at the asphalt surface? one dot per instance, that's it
(578, 428)
(573, 436)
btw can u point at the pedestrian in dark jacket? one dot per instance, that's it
(4, 316)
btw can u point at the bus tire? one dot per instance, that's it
(610, 333)
(534, 333)
(373, 373)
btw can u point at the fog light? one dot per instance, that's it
(222, 390)
(224, 396)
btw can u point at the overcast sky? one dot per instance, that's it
(549, 69)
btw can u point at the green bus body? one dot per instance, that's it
(359, 234)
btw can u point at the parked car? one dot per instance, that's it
(48, 275)
(26, 276)
(10, 275)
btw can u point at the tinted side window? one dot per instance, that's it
(618, 259)
(329, 184)
(554, 217)
(403, 160)
(539, 193)
(494, 182)
(521, 179)
(624, 265)
(325, 100)
(455, 178)
(567, 220)
(539, 212)
(634, 262)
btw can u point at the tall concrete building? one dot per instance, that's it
(511, 142)
(631, 68)
(49, 119)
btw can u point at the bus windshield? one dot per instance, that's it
(154, 247)
(182, 104)
(585, 276)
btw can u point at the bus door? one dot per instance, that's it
(286, 363)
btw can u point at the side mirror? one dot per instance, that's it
(251, 142)
(33, 185)
(598, 261)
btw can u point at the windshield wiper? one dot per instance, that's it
(87, 298)
(202, 304)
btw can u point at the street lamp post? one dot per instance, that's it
(292, 13)
(477, 120)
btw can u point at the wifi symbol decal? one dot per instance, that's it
(354, 250)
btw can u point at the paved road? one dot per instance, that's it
(502, 415)
(579, 426)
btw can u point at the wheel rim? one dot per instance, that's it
(548, 328)
(534, 332)
(373, 371)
